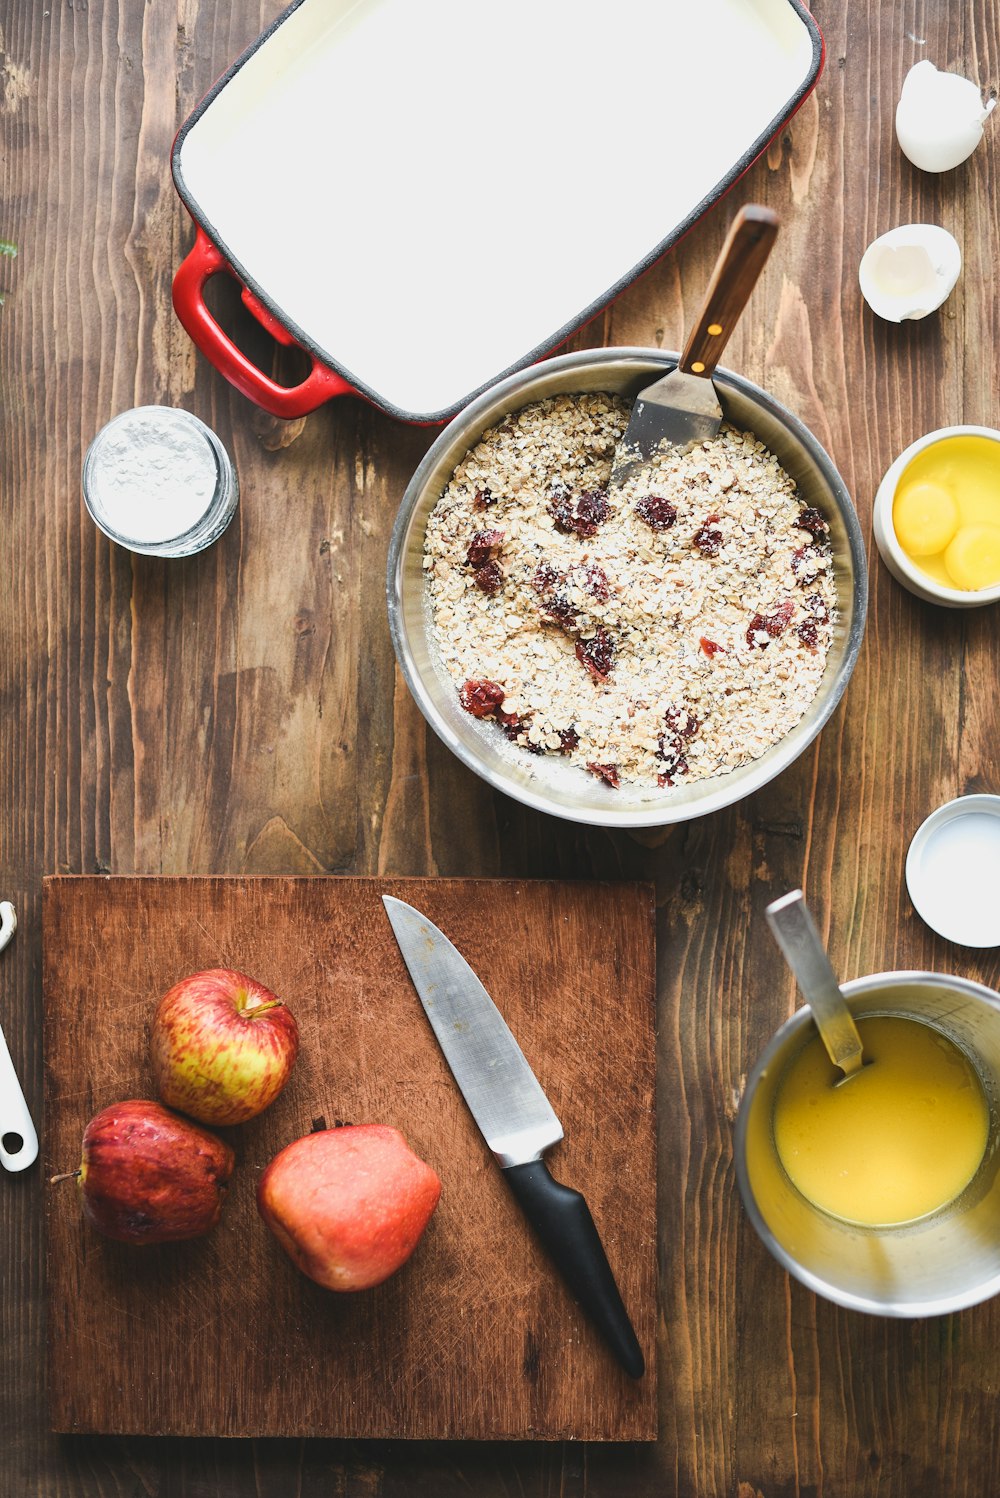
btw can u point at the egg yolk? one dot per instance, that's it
(925, 517)
(973, 557)
(946, 512)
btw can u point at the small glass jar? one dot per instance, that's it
(158, 481)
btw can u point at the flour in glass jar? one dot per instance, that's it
(157, 479)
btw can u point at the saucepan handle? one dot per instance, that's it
(204, 260)
(562, 1220)
(16, 1127)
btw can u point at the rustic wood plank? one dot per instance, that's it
(764, 1390)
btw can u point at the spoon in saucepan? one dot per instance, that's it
(795, 932)
(18, 1140)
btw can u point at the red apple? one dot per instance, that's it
(348, 1205)
(223, 1046)
(149, 1176)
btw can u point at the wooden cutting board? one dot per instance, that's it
(476, 1337)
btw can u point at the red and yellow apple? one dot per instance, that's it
(149, 1176)
(223, 1046)
(348, 1205)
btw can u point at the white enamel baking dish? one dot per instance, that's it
(430, 194)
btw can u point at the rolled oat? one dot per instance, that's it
(662, 632)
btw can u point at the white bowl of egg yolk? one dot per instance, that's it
(937, 517)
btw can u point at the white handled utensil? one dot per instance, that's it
(18, 1140)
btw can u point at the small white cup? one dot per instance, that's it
(893, 555)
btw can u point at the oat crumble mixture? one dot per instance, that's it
(658, 633)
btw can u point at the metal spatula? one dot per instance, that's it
(683, 407)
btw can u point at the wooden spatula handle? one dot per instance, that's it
(747, 247)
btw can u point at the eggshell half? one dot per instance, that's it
(910, 271)
(939, 118)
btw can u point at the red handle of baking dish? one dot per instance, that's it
(321, 384)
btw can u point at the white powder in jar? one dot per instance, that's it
(153, 475)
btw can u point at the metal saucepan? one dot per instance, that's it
(931, 1267)
(550, 784)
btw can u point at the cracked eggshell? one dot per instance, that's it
(939, 118)
(910, 271)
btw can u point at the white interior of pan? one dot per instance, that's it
(430, 189)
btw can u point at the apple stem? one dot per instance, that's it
(67, 1175)
(252, 1011)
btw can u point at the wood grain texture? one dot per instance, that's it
(477, 1337)
(240, 713)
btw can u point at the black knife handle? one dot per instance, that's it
(562, 1220)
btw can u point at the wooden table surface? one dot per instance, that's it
(240, 712)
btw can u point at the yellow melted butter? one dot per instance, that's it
(893, 1144)
(946, 512)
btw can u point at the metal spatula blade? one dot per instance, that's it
(682, 407)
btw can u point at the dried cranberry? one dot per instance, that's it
(607, 773)
(763, 628)
(658, 513)
(708, 539)
(757, 633)
(681, 722)
(817, 606)
(483, 500)
(805, 566)
(551, 585)
(559, 610)
(593, 508)
(481, 698)
(483, 546)
(514, 726)
(579, 515)
(808, 633)
(777, 623)
(710, 647)
(811, 520)
(556, 607)
(489, 579)
(545, 577)
(569, 740)
(671, 751)
(595, 582)
(597, 654)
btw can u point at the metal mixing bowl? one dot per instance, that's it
(940, 1263)
(549, 783)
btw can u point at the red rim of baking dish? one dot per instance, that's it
(327, 377)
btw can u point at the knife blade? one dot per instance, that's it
(515, 1118)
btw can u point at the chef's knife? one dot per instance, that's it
(515, 1117)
